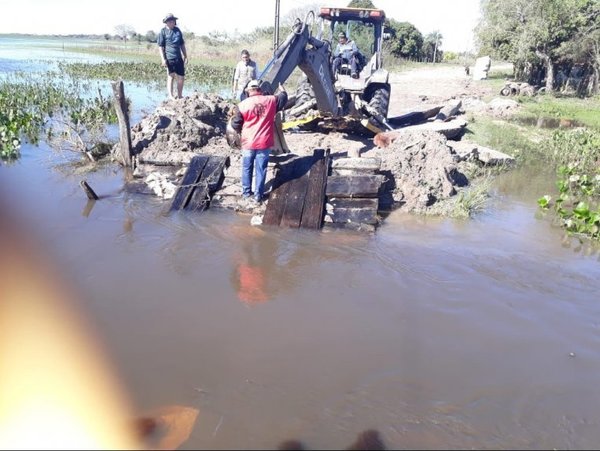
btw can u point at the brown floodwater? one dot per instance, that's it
(433, 333)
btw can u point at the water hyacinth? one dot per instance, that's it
(31, 104)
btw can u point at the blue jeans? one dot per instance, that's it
(254, 161)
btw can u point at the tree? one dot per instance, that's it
(361, 4)
(431, 47)
(151, 36)
(533, 34)
(583, 50)
(405, 40)
(298, 13)
(124, 31)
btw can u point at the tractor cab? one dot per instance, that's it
(364, 26)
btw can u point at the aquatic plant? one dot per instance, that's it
(31, 105)
(577, 205)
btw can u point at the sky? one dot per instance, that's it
(454, 19)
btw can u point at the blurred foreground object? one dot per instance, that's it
(57, 390)
(168, 427)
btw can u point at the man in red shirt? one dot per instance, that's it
(255, 120)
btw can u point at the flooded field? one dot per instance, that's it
(429, 333)
(435, 333)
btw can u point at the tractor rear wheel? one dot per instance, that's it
(304, 94)
(380, 101)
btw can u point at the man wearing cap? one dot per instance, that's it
(346, 51)
(172, 54)
(255, 120)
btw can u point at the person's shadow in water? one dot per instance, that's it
(367, 440)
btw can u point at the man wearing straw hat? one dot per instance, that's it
(172, 54)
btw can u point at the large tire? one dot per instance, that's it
(380, 101)
(304, 93)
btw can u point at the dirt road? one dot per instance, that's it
(432, 85)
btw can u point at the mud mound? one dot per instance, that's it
(421, 169)
(175, 131)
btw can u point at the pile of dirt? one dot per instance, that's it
(179, 129)
(421, 170)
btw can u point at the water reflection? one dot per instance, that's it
(89, 206)
(547, 122)
(253, 266)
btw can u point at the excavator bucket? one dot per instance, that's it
(280, 145)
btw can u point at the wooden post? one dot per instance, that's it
(123, 115)
(89, 192)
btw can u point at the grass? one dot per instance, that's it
(467, 202)
(199, 51)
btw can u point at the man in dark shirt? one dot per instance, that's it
(172, 54)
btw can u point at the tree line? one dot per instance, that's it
(552, 43)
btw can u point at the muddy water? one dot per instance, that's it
(433, 333)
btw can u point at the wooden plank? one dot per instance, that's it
(294, 202)
(414, 117)
(284, 190)
(314, 202)
(354, 186)
(208, 183)
(360, 164)
(357, 215)
(280, 146)
(276, 204)
(352, 202)
(186, 187)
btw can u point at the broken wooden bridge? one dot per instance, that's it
(306, 192)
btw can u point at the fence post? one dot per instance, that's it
(123, 115)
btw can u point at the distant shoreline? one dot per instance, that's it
(52, 36)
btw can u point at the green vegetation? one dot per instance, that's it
(52, 104)
(545, 39)
(577, 205)
(146, 72)
(57, 104)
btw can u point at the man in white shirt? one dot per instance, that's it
(245, 70)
